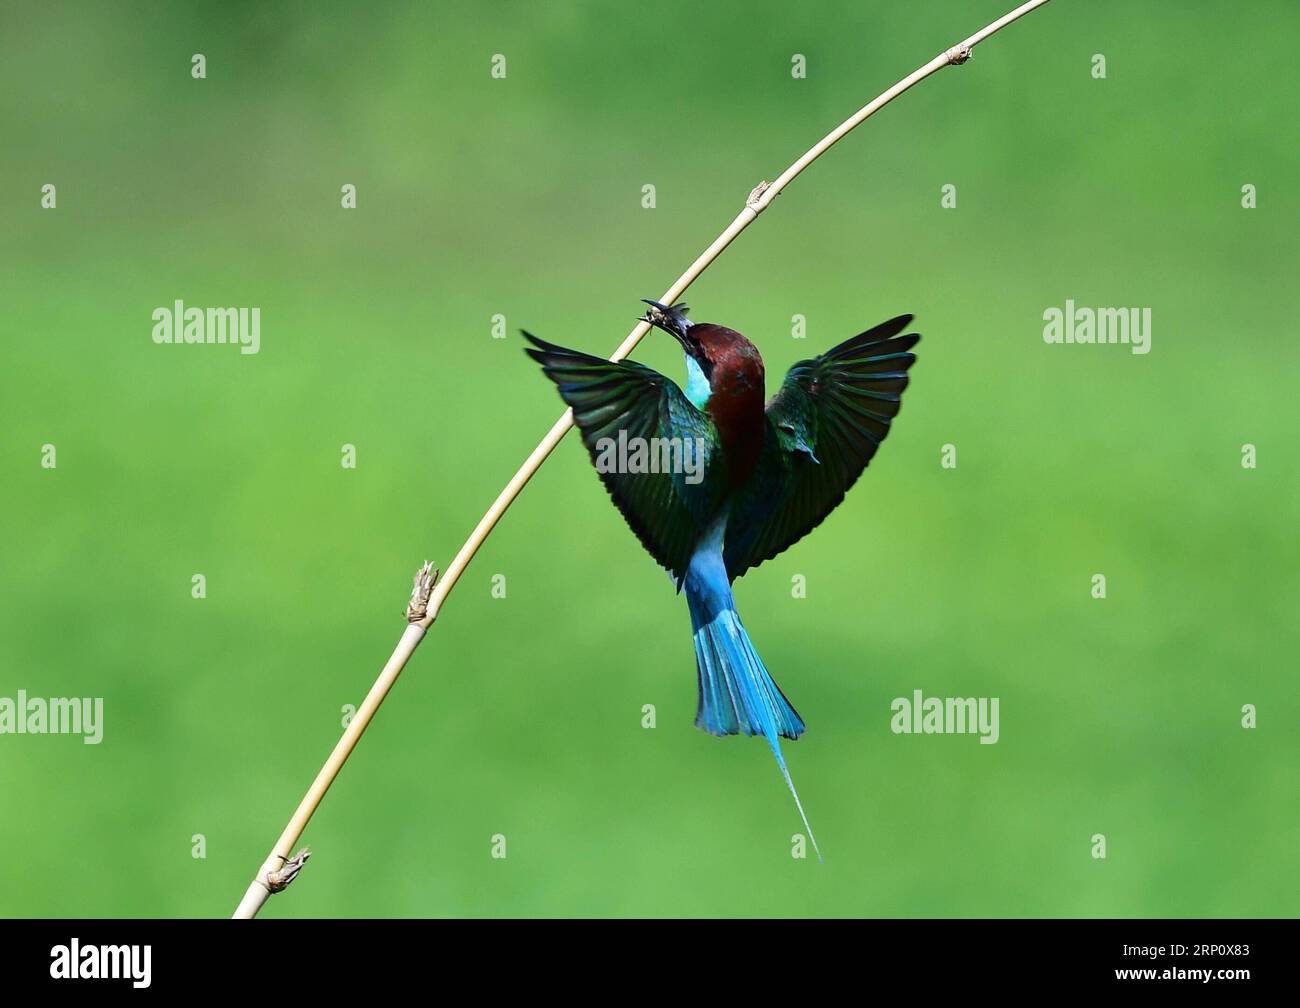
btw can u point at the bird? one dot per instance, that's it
(744, 478)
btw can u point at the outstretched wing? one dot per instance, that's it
(823, 426)
(618, 403)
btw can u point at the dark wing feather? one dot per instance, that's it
(666, 512)
(840, 405)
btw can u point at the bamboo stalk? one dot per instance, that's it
(429, 593)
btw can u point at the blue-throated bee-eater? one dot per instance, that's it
(755, 477)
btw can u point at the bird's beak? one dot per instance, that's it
(671, 320)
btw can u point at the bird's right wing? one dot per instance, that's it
(616, 402)
(824, 425)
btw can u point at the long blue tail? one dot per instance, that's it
(737, 695)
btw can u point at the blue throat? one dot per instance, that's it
(697, 386)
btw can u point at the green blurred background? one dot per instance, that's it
(522, 716)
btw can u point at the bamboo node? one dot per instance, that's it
(421, 588)
(278, 881)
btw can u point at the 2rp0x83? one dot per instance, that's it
(1176, 949)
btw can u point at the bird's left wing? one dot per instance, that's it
(617, 404)
(823, 426)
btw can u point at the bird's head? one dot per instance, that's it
(674, 322)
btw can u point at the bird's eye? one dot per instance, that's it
(789, 429)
